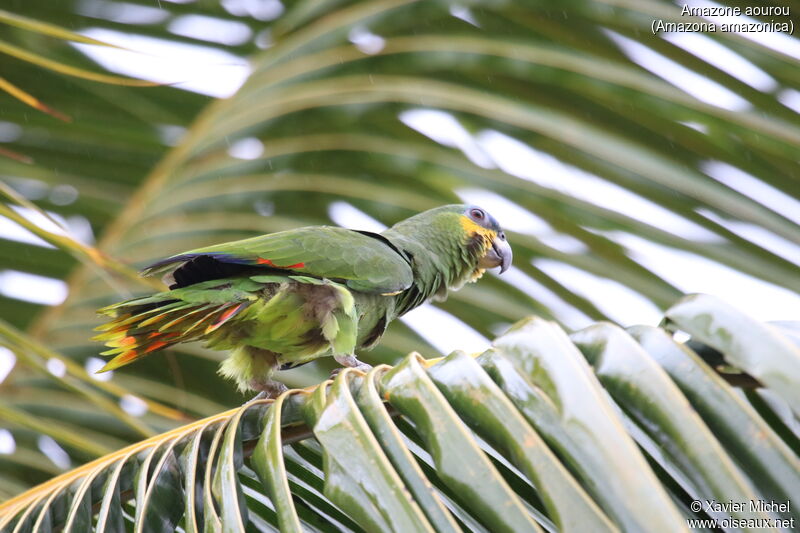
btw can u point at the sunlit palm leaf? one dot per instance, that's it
(498, 442)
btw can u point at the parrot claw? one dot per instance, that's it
(349, 361)
(260, 396)
(268, 390)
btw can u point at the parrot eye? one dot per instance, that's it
(502, 235)
(477, 214)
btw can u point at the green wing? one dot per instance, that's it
(364, 262)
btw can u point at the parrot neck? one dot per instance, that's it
(439, 265)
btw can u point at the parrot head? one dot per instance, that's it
(459, 241)
(482, 230)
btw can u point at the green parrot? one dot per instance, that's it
(283, 299)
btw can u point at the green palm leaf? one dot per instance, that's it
(496, 442)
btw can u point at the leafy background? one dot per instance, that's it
(621, 188)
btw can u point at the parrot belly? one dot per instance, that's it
(290, 323)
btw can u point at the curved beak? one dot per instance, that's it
(498, 255)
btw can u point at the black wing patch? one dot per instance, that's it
(205, 268)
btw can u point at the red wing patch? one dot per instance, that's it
(262, 261)
(120, 360)
(224, 317)
(129, 356)
(155, 346)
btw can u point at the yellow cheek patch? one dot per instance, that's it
(471, 228)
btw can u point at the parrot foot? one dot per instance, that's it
(349, 361)
(268, 389)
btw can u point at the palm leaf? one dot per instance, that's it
(499, 441)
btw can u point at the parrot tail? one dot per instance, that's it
(142, 326)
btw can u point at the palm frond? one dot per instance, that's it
(497, 441)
